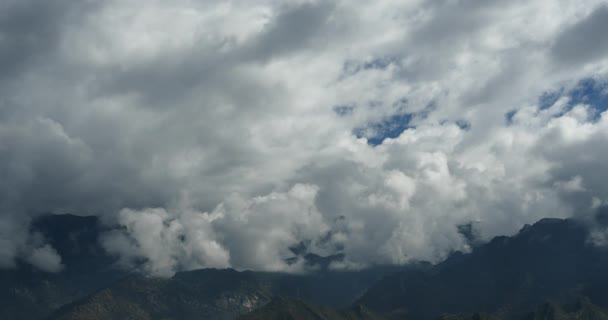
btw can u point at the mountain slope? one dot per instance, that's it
(551, 259)
(473, 316)
(581, 310)
(28, 293)
(212, 294)
(288, 309)
(216, 294)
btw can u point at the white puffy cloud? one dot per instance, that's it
(222, 133)
(165, 242)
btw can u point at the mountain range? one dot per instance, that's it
(547, 271)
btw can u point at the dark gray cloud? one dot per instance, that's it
(299, 27)
(28, 31)
(584, 41)
(31, 31)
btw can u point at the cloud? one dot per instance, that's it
(30, 30)
(214, 134)
(584, 41)
(294, 28)
(165, 242)
(45, 258)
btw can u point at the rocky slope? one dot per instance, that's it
(213, 294)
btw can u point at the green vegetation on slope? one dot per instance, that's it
(291, 309)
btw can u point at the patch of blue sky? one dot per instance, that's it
(588, 91)
(548, 99)
(390, 127)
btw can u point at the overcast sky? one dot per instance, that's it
(222, 133)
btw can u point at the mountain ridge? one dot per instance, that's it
(549, 259)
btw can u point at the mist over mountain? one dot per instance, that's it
(552, 261)
(30, 292)
(91, 277)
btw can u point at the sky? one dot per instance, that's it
(223, 133)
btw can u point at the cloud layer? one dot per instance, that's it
(225, 133)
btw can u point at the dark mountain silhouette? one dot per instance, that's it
(581, 309)
(28, 293)
(551, 259)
